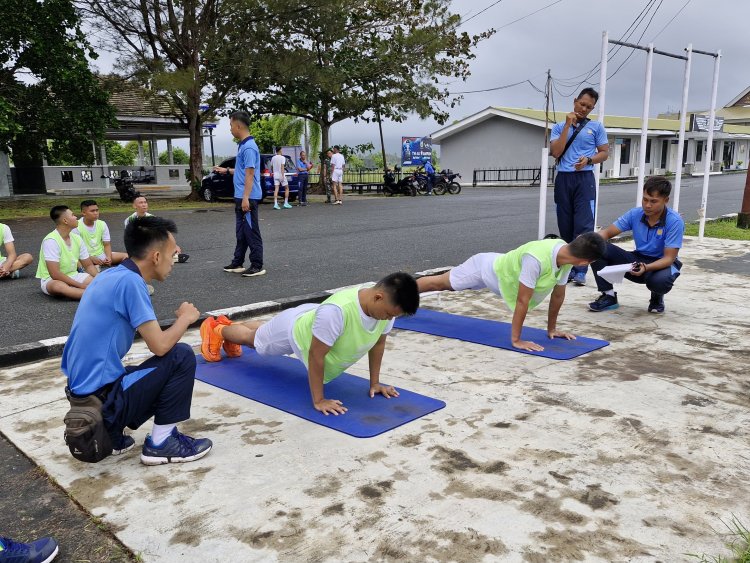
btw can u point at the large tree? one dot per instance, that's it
(190, 51)
(380, 59)
(47, 90)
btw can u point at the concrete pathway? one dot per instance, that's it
(635, 452)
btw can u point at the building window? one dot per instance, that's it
(87, 176)
(664, 153)
(67, 175)
(648, 151)
(624, 151)
(698, 151)
(684, 153)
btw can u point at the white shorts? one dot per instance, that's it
(280, 180)
(337, 176)
(275, 338)
(80, 277)
(478, 272)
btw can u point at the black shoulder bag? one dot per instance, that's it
(581, 125)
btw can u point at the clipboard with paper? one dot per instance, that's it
(615, 274)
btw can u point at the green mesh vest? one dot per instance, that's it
(68, 255)
(508, 271)
(93, 241)
(354, 342)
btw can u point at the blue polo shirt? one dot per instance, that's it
(114, 304)
(591, 136)
(429, 168)
(652, 241)
(302, 164)
(248, 156)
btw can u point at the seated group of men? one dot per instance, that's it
(327, 338)
(73, 253)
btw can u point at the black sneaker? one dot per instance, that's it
(124, 444)
(253, 271)
(177, 448)
(656, 303)
(234, 268)
(604, 303)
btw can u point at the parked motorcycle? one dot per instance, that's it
(405, 186)
(124, 186)
(446, 182)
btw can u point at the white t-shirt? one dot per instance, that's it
(105, 233)
(329, 323)
(531, 268)
(278, 163)
(337, 161)
(52, 251)
(7, 235)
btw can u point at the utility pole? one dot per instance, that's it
(743, 219)
(380, 128)
(544, 170)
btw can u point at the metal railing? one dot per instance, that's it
(510, 175)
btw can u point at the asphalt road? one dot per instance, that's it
(321, 246)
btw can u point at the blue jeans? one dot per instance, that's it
(303, 180)
(248, 235)
(659, 282)
(575, 198)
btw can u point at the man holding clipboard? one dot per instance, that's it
(578, 144)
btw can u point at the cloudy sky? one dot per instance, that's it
(565, 37)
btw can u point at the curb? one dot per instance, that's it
(53, 347)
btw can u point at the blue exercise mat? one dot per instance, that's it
(496, 334)
(281, 382)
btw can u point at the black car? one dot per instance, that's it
(217, 186)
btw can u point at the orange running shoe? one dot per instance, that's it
(232, 350)
(211, 340)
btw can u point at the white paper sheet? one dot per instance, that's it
(615, 274)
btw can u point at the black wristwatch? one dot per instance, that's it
(590, 161)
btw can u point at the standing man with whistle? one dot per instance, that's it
(247, 196)
(578, 144)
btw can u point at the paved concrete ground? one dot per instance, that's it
(631, 453)
(318, 247)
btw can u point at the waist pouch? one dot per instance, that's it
(85, 433)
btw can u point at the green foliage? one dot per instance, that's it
(724, 228)
(179, 156)
(737, 540)
(119, 155)
(47, 90)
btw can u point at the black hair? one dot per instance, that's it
(139, 194)
(589, 92)
(551, 235)
(278, 149)
(657, 185)
(402, 290)
(142, 233)
(241, 116)
(88, 203)
(57, 211)
(588, 246)
(338, 148)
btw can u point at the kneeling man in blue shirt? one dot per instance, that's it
(657, 233)
(116, 304)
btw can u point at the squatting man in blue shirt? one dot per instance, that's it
(115, 305)
(657, 234)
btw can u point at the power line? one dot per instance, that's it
(503, 87)
(670, 21)
(528, 15)
(639, 40)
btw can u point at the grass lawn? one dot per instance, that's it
(39, 207)
(725, 228)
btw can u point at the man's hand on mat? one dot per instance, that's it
(558, 334)
(330, 406)
(387, 391)
(527, 345)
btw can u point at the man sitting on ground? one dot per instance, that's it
(95, 234)
(115, 305)
(523, 277)
(58, 259)
(657, 234)
(12, 263)
(327, 337)
(140, 204)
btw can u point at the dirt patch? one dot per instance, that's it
(334, 509)
(410, 441)
(326, 485)
(456, 461)
(596, 498)
(440, 545)
(573, 545)
(549, 509)
(697, 401)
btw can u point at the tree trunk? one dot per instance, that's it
(196, 140)
(743, 219)
(324, 133)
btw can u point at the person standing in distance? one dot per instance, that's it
(303, 171)
(278, 168)
(337, 175)
(247, 196)
(578, 144)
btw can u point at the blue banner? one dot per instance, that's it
(415, 151)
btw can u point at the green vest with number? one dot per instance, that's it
(355, 340)
(2, 240)
(508, 271)
(94, 241)
(69, 255)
